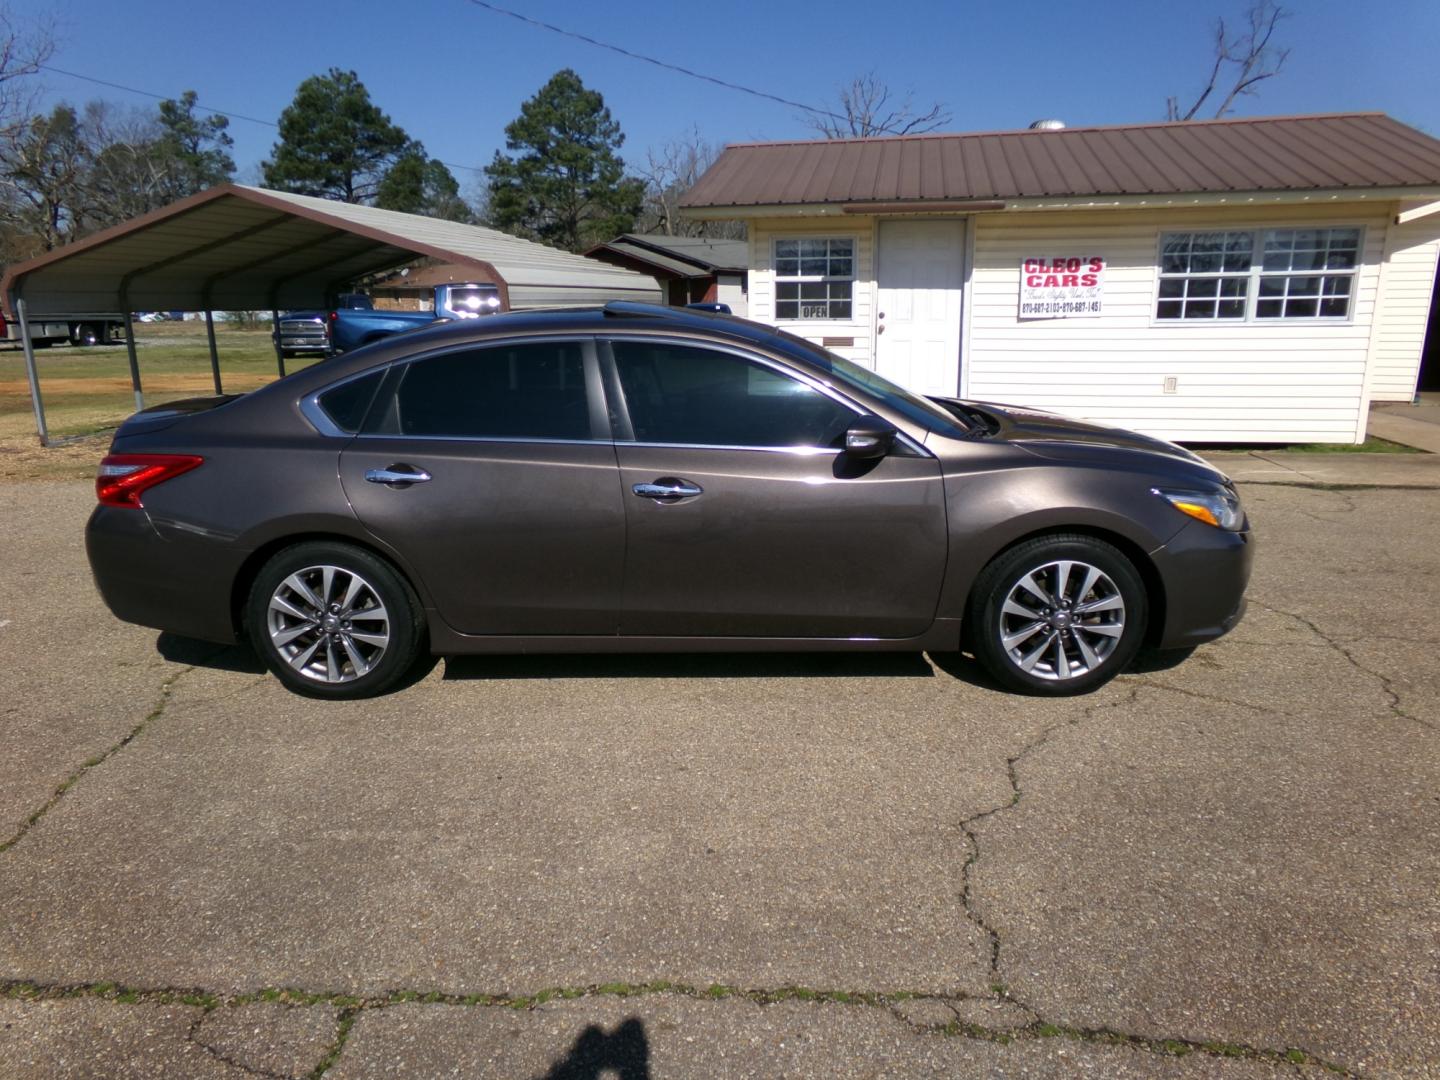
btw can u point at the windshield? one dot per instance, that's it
(923, 411)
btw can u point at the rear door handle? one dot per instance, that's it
(397, 476)
(668, 489)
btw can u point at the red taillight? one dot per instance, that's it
(123, 478)
(334, 315)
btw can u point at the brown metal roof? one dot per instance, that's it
(1281, 153)
(674, 256)
(235, 247)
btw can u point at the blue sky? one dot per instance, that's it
(453, 74)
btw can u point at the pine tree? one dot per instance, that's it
(565, 184)
(417, 184)
(334, 141)
(195, 150)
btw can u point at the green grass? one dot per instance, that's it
(88, 390)
(1371, 445)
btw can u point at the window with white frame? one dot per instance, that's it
(814, 278)
(1258, 274)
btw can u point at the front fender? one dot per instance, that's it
(991, 511)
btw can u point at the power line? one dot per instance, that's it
(227, 113)
(658, 63)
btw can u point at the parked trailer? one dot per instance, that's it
(64, 329)
(96, 329)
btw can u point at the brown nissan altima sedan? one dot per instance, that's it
(640, 478)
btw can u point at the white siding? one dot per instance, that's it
(1235, 382)
(762, 281)
(1399, 334)
(730, 289)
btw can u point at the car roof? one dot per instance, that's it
(615, 317)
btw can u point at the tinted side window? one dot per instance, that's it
(525, 391)
(347, 403)
(686, 394)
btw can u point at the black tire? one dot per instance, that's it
(328, 670)
(1084, 640)
(85, 334)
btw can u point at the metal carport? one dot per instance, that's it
(243, 248)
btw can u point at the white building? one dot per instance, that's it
(1222, 281)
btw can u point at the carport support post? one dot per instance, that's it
(279, 352)
(31, 373)
(134, 360)
(214, 352)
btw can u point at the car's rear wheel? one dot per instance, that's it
(334, 621)
(1057, 615)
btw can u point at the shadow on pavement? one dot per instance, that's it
(242, 659)
(690, 666)
(183, 650)
(963, 666)
(624, 1054)
(1153, 660)
(913, 665)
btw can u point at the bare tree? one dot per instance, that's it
(23, 50)
(129, 171)
(866, 108)
(43, 166)
(477, 197)
(670, 170)
(1248, 55)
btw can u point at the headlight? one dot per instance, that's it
(1220, 508)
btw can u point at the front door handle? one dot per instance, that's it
(668, 489)
(397, 476)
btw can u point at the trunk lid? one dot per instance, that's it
(160, 417)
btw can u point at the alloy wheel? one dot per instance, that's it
(328, 623)
(1061, 620)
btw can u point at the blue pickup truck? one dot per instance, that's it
(355, 321)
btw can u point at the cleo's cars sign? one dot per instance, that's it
(1065, 287)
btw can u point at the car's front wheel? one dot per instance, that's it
(334, 621)
(1057, 615)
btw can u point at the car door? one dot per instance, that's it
(491, 470)
(745, 518)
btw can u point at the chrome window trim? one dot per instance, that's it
(521, 440)
(797, 451)
(781, 368)
(311, 409)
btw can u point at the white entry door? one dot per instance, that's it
(921, 271)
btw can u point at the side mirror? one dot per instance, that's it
(869, 437)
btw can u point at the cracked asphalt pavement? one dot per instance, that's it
(723, 866)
